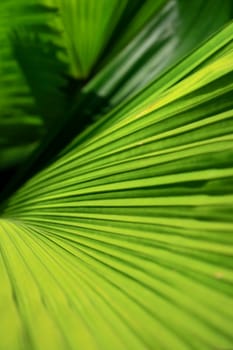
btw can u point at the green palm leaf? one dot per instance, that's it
(125, 241)
(156, 42)
(107, 38)
(27, 45)
(87, 26)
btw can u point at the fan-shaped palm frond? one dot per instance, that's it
(125, 241)
(87, 26)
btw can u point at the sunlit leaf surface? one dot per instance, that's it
(125, 241)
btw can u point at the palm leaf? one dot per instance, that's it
(87, 26)
(23, 115)
(39, 62)
(125, 241)
(156, 38)
(164, 40)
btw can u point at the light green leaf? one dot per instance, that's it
(125, 241)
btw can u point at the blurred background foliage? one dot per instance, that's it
(64, 63)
